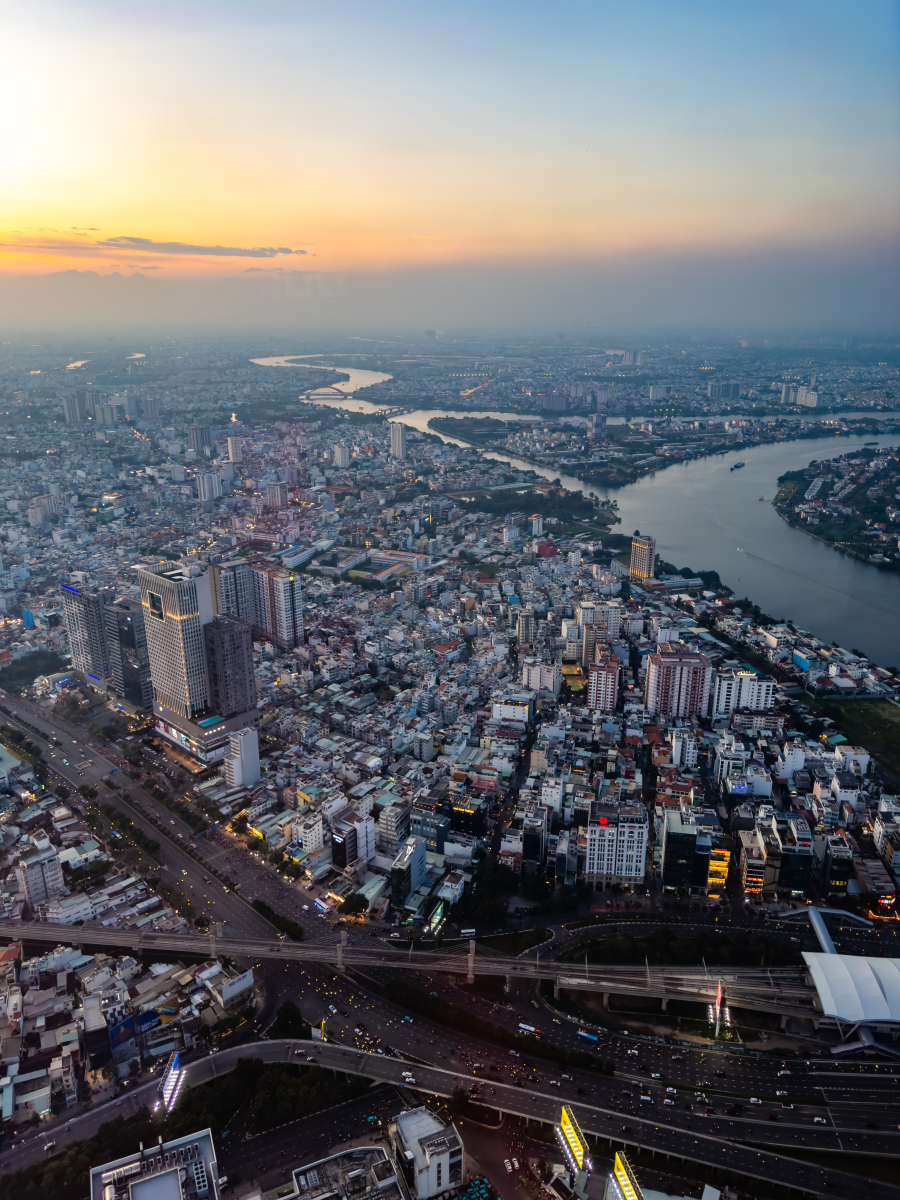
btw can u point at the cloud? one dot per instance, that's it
(150, 247)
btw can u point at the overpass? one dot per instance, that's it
(787, 991)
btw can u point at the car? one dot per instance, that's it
(534, 1004)
(721, 1074)
(515, 1163)
(632, 1053)
(332, 1010)
(771, 1116)
(668, 1100)
(781, 1093)
(754, 1100)
(822, 1121)
(655, 1075)
(49, 1145)
(787, 1106)
(508, 1166)
(780, 1073)
(670, 1091)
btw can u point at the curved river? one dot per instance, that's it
(706, 516)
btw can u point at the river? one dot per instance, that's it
(708, 517)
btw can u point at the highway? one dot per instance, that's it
(859, 1102)
(649, 1127)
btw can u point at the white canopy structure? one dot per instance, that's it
(856, 990)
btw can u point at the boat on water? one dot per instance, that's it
(738, 465)
(762, 499)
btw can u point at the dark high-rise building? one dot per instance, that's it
(200, 438)
(83, 608)
(229, 664)
(129, 662)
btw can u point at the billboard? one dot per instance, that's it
(628, 1186)
(573, 1140)
(234, 987)
(121, 1038)
(148, 1020)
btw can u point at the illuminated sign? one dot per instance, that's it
(573, 1140)
(623, 1177)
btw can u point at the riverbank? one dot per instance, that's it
(850, 503)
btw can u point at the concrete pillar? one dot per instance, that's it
(606, 999)
(665, 1004)
(470, 977)
(340, 950)
(556, 988)
(784, 1022)
(212, 942)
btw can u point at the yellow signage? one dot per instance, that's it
(625, 1178)
(573, 1135)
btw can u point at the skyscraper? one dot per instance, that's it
(235, 450)
(200, 439)
(398, 440)
(643, 557)
(192, 670)
(342, 454)
(129, 662)
(209, 486)
(83, 609)
(277, 604)
(176, 607)
(229, 664)
(231, 589)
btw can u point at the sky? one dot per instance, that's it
(385, 161)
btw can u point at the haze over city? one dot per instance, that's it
(503, 165)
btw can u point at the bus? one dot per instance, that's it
(467, 933)
(585, 1036)
(523, 1028)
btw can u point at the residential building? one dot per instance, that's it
(200, 439)
(39, 875)
(241, 764)
(276, 495)
(235, 450)
(525, 627)
(341, 455)
(398, 440)
(603, 682)
(741, 689)
(678, 681)
(277, 600)
(232, 592)
(209, 486)
(84, 610)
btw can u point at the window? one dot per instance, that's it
(439, 1166)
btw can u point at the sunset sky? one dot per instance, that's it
(196, 139)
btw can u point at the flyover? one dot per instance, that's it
(787, 991)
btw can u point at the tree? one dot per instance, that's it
(355, 905)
